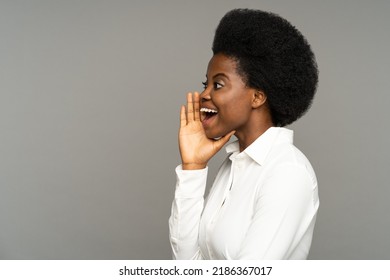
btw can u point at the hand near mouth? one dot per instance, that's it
(195, 148)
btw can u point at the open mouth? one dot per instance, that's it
(207, 114)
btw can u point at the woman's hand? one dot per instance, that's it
(195, 148)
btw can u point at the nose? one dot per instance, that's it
(205, 95)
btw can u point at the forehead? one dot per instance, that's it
(221, 63)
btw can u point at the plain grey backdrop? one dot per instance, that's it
(90, 93)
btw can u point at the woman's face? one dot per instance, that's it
(226, 103)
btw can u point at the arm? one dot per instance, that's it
(285, 210)
(187, 207)
(195, 151)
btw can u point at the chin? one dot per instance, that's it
(214, 135)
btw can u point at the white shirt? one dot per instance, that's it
(262, 205)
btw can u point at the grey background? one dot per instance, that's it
(89, 106)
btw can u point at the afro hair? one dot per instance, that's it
(272, 56)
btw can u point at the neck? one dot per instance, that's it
(246, 139)
(256, 126)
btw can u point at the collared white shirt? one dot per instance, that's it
(262, 205)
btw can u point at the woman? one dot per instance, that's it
(264, 200)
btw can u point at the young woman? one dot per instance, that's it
(264, 200)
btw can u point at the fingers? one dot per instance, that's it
(196, 107)
(183, 118)
(193, 113)
(190, 107)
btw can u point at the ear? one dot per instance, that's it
(259, 98)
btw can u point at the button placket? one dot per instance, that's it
(225, 198)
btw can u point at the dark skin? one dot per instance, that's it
(241, 111)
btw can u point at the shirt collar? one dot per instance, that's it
(260, 148)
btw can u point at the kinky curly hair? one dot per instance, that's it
(272, 56)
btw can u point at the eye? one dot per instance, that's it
(217, 85)
(204, 85)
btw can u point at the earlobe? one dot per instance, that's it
(259, 98)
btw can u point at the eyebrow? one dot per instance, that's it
(219, 74)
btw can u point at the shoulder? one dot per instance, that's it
(285, 158)
(289, 175)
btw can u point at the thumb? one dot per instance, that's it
(220, 142)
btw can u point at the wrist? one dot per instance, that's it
(193, 166)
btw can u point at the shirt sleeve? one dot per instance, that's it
(186, 211)
(286, 207)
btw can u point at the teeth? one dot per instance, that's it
(207, 110)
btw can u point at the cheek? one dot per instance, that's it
(237, 110)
